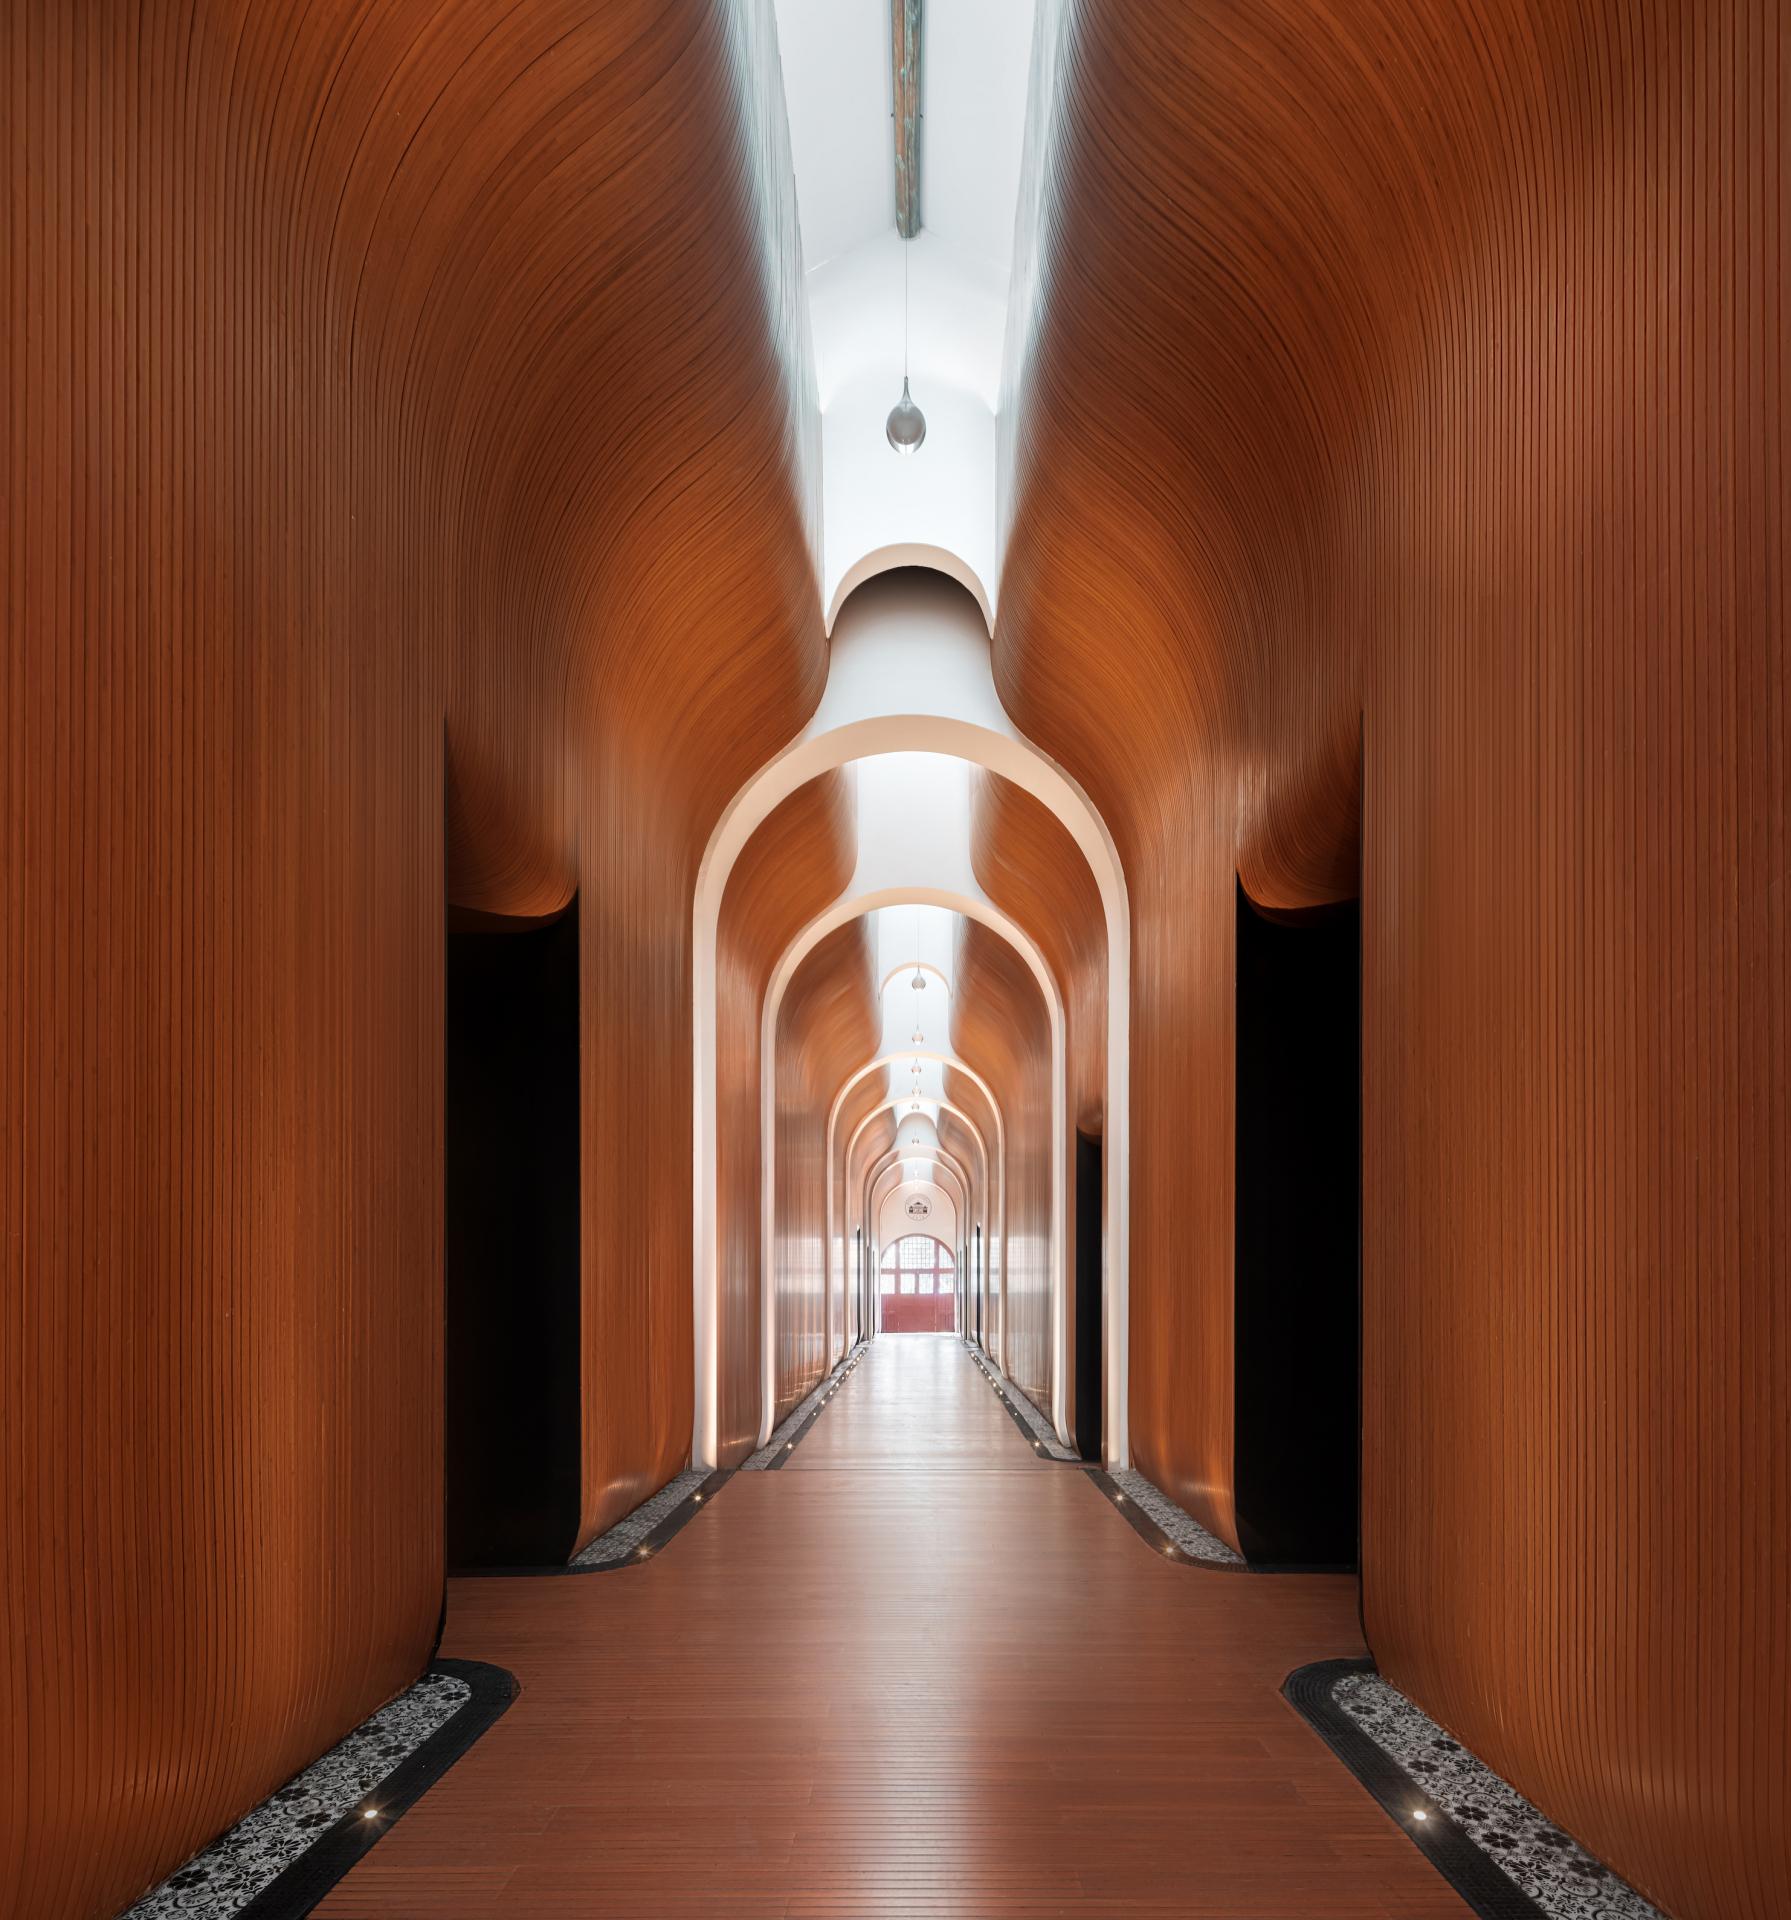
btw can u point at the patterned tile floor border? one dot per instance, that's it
(281, 1856)
(620, 1542)
(1505, 1858)
(1563, 1879)
(1181, 1526)
(784, 1439)
(1029, 1416)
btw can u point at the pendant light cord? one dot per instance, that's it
(905, 246)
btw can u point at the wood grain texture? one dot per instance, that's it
(827, 1026)
(375, 377)
(965, 1094)
(876, 1141)
(1403, 389)
(794, 865)
(1031, 868)
(860, 1105)
(1000, 1027)
(942, 1609)
(905, 71)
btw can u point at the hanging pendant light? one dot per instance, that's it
(907, 425)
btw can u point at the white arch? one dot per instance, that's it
(893, 1163)
(768, 1165)
(912, 967)
(973, 907)
(944, 1106)
(924, 1232)
(940, 1158)
(912, 553)
(909, 673)
(941, 1153)
(891, 1183)
(933, 1156)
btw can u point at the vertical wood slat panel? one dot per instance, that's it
(796, 864)
(1032, 869)
(1000, 1027)
(1404, 387)
(863, 1104)
(371, 375)
(828, 1026)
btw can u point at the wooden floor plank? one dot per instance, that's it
(916, 1672)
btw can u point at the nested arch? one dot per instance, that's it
(909, 672)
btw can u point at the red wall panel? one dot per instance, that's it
(918, 1313)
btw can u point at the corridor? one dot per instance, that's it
(915, 1672)
(895, 930)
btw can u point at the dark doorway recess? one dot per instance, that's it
(1091, 1358)
(1298, 1284)
(512, 1351)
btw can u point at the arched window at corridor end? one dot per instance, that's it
(918, 1281)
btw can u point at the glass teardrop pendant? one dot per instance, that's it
(907, 426)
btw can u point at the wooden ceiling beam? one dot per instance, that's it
(904, 16)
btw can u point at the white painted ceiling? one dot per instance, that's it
(974, 56)
(975, 59)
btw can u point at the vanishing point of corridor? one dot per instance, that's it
(917, 1671)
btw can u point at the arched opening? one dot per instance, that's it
(918, 1281)
(909, 674)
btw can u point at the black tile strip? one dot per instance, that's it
(1014, 1413)
(662, 1535)
(1153, 1535)
(1141, 1523)
(303, 1884)
(794, 1439)
(1472, 1872)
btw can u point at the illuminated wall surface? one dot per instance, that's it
(412, 501)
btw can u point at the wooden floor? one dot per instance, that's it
(916, 1672)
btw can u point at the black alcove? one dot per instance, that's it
(1298, 1290)
(1090, 1324)
(513, 1417)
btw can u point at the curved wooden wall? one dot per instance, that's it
(1404, 388)
(966, 1094)
(827, 1026)
(957, 1140)
(1000, 1027)
(876, 1141)
(796, 864)
(1031, 868)
(374, 375)
(862, 1101)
